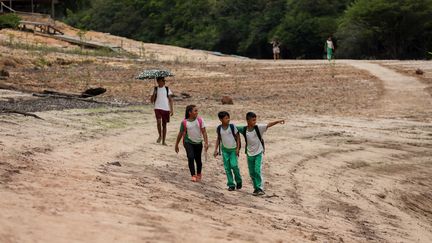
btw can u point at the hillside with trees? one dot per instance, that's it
(384, 29)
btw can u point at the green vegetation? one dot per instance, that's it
(386, 29)
(9, 21)
(361, 28)
(104, 52)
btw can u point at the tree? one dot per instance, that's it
(362, 28)
(386, 29)
(308, 24)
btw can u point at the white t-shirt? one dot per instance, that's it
(227, 137)
(254, 145)
(162, 102)
(193, 131)
(330, 44)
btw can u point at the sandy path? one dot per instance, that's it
(366, 150)
(403, 95)
(328, 179)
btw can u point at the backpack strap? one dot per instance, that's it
(218, 131)
(184, 122)
(200, 122)
(184, 125)
(259, 137)
(235, 134)
(167, 90)
(155, 93)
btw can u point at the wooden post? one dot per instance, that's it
(52, 9)
(32, 6)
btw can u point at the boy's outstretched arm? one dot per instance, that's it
(270, 124)
(179, 137)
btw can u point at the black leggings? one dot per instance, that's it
(193, 152)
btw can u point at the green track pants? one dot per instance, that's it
(231, 166)
(255, 166)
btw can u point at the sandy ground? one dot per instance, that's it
(410, 68)
(353, 163)
(328, 178)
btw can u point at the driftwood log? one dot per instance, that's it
(87, 93)
(21, 113)
(57, 96)
(81, 97)
(93, 92)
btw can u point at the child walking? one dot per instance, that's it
(228, 145)
(163, 107)
(193, 132)
(255, 149)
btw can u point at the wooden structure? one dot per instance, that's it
(88, 44)
(5, 8)
(39, 27)
(47, 29)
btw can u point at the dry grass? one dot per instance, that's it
(282, 89)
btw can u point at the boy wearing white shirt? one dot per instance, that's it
(228, 145)
(163, 107)
(255, 149)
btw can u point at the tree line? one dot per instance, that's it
(373, 29)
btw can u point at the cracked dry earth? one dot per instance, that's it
(328, 178)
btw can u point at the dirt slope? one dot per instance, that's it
(328, 179)
(352, 163)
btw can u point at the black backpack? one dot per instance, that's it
(258, 134)
(218, 130)
(154, 97)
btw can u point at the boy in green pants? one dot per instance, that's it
(228, 142)
(255, 149)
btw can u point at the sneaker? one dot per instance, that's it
(231, 188)
(194, 178)
(255, 192)
(199, 177)
(261, 192)
(239, 186)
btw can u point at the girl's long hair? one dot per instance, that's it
(189, 109)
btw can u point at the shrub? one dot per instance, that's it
(9, 21)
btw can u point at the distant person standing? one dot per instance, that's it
(276, 49)
(163, 107)
(329, 48)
